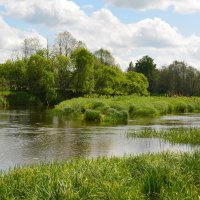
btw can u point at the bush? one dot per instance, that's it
(142, 110)
(92, 115)
(98, 105)
(181, 107)
(113, 115)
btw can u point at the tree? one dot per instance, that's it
(65, 43)
(30, 46)
(147, 67)
(62, 71)
(136, 83)
(108, 81)
(131, 67)
(178, 79)
(105, 57)
(41, 77)
(83, 71)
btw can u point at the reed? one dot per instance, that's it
(180, 135)
(151, 176)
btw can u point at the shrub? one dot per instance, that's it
(113, 115)
(142, 110)
(181, 107)
(98, 105)
(92, 115)
(68, 111)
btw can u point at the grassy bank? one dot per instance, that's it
(161, 176)
(179, 136)
(120, 109)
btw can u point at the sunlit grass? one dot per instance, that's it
(134, 106)
(181, 135)
(161, 176)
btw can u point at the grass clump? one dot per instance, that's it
(3, 102)
(180, 136)
(152, 176)
(113, 115)
(92, 115)
(142, 111)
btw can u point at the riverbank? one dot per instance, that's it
(123, 108)
(151, 176)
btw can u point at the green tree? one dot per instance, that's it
(147, 67)
(105, 57)
(108, 81)
(136, 83)
(83, 71)
(63, 72)
(131, 67)
(178, 79)
(41, 77)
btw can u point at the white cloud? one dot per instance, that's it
(180, 6)
(11, 39)
(153, 37)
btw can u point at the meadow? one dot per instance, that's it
(152, 176)
(123, 108)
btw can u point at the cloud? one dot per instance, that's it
(101, 29)
(11, 39)
(180, 6)
(48, 12)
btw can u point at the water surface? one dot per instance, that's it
(28, 136)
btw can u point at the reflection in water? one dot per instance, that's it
(28, 136)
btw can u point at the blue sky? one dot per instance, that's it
(164, 29)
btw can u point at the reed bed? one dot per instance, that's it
(179, 136)
(152, 176)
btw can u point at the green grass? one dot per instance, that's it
(133, 106)
(180, 136)
(161, 176)
(3, 102)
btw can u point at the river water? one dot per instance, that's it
(28, 136)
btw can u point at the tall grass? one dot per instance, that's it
(3, 102)
(180, 136)
(133, 106)
(161, 176)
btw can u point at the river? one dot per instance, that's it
(30, 136)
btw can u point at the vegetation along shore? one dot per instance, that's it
(122, 108)
(151, 176)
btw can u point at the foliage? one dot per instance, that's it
(63, 72)
(178, 79)
(83, 73)
(105, 57)
(147, 67)
(135, 106)
(151, 176)
(112, 81)
(131, 67)
(41, 77)
(92, 115)
(136, 83)
(67, 69)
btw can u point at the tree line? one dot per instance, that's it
(175, 79)
(69, 67)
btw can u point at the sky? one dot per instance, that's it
(166, 30)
